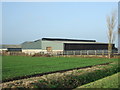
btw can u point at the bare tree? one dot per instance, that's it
(111, 22)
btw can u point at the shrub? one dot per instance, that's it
(73, 81)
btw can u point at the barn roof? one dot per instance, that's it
(60, 39)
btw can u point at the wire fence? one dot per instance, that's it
(85, 52)
(61, 53)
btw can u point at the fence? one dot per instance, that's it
(61, 53)
(14, 54)
(85, 52)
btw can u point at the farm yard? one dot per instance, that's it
(20, 67)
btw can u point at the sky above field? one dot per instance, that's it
(29, 21)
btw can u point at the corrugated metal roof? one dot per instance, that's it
(60, 39)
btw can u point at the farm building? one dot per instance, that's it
(60, 45)
(57, 45)
(10, 48)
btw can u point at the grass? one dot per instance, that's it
(69, 80)
(17, 66)
(76, 79)
(107, 82)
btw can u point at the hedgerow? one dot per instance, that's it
(75, 80)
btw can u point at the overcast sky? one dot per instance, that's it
(29, 21)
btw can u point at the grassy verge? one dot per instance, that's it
(18, 66)
(76, 79)
(107, 82)
(71, 79)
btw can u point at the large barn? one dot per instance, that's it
(58, 44)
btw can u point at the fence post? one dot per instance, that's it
(81, 53)
(74, 52)
(95, 52)
(87, 52)
(103, 52)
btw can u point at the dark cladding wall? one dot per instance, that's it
(15, 49)
(91, 46)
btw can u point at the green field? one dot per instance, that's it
(107, 82)
(17, 66)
